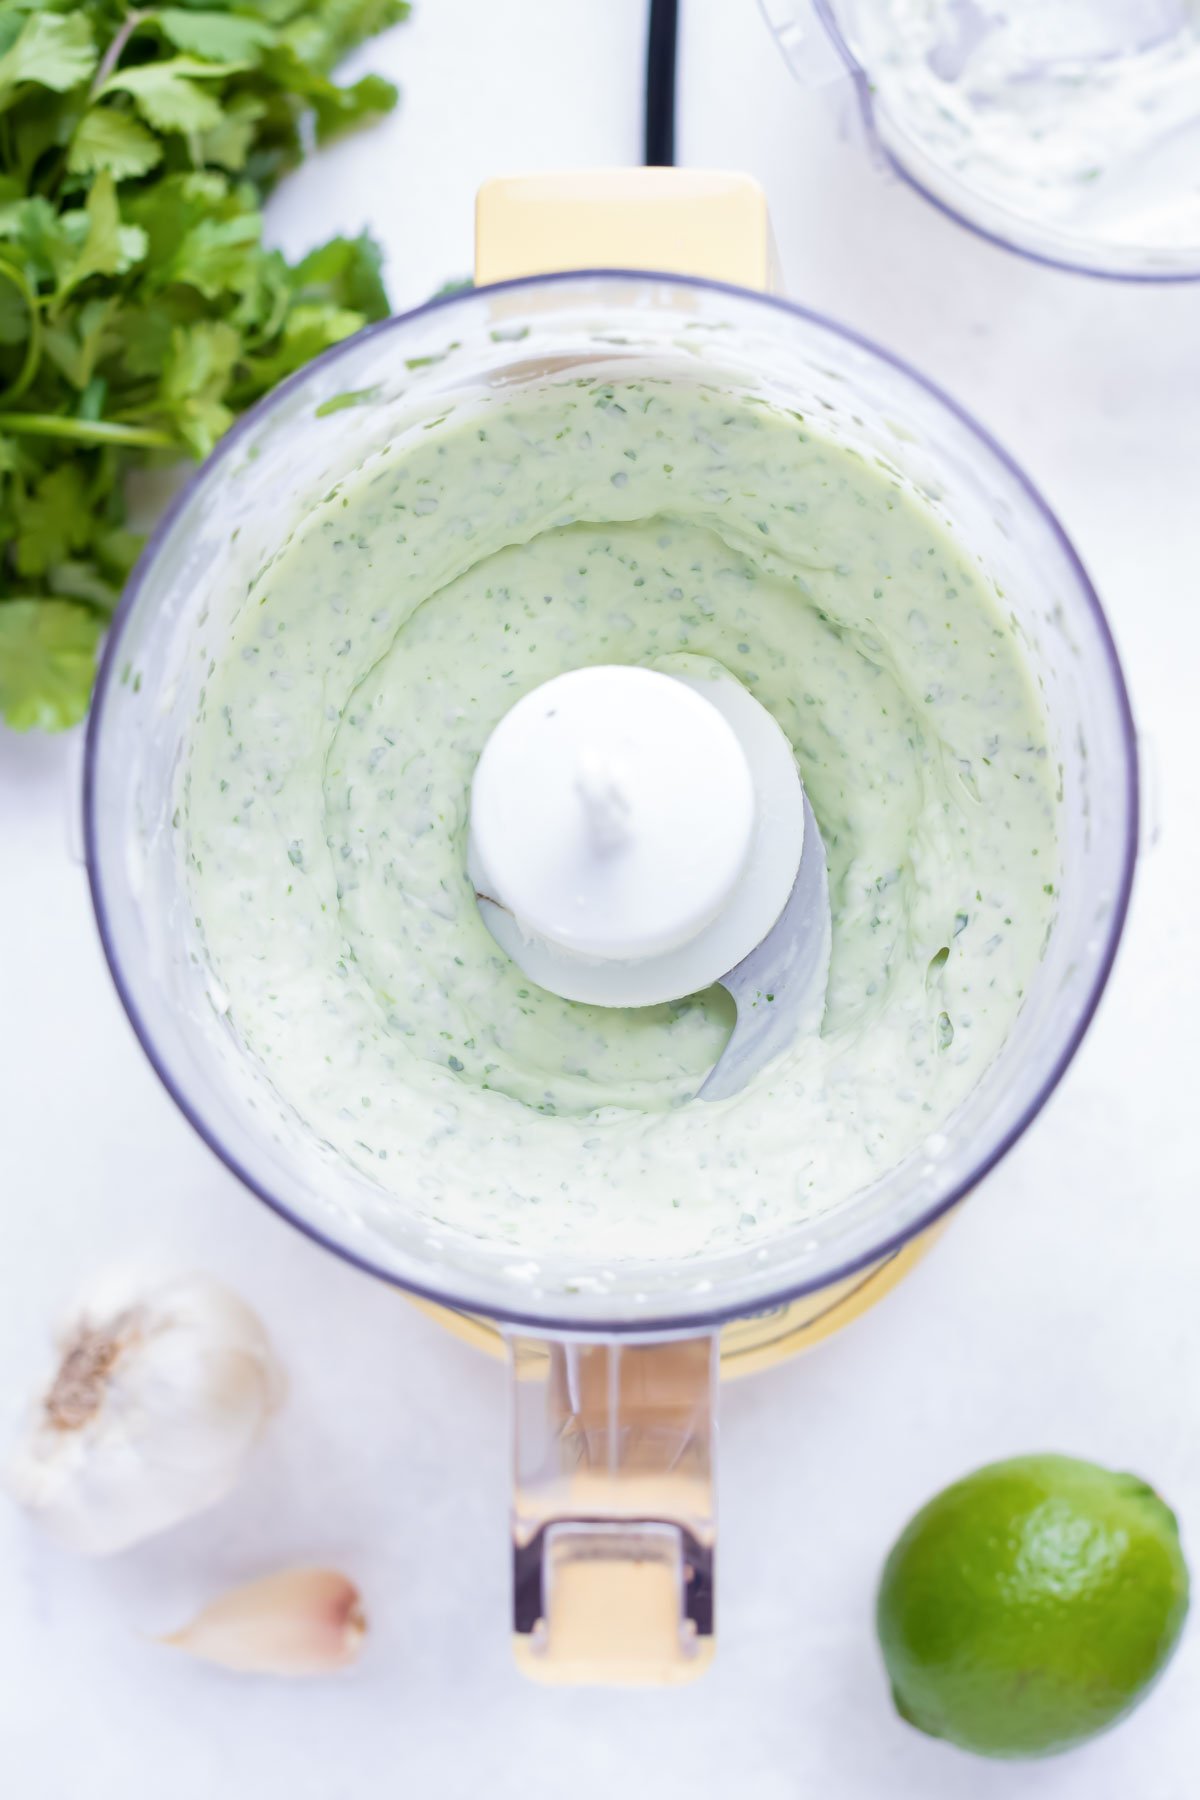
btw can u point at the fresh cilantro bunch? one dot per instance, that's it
(139, 310)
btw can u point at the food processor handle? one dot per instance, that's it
(700, 222)
(613, 1520)
(613, 1439)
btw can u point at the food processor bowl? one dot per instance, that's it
(606, 1357)
(393, 379)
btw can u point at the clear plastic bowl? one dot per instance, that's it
(407, 371)
(1067, 130)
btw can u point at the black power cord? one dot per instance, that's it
(661, 47)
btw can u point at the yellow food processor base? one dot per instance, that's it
(762, 1339)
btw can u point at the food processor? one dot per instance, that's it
(614, 1365)
(1067, 130)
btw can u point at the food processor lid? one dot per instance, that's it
(1067, 130)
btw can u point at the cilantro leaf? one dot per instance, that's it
(168, 95)
(77, 345)
(116, 551)
(345, 271)
(218, 255)
(140, 310)
(340, 108)
(51, 521)
(308, 331)
(106, 247)
(225, 37)
(47, 662)
(106, 139)
(197, 374)
(83, 581)
(228, 144)
(334, 108)
(54, 50)
(38, 238)
(321, 35)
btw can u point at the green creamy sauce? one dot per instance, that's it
(328, 778)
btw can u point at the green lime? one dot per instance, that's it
(1031, 1605)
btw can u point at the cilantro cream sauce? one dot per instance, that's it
(327, 777)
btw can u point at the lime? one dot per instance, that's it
(1031, 1605)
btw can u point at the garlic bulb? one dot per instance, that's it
(299, 1622)
(163, 1388)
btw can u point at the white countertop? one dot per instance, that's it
(1060, 1313)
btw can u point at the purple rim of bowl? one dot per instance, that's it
(862, 87)
(680, 1320)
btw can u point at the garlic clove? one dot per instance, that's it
(298, 1622)
(164, 1386)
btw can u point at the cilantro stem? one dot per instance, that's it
(112, 55)
(87, 431)
(33, 349)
